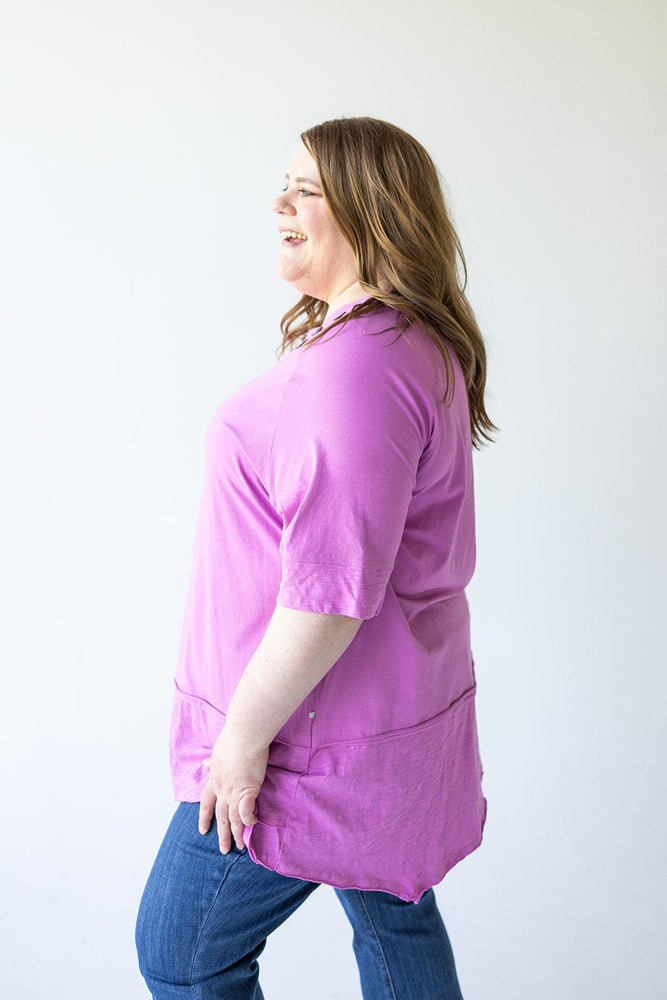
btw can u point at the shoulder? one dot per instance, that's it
(368, 373)
(375, 343)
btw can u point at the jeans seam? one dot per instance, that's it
(377, 939)
(207, 917)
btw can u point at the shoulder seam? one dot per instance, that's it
(273, 433)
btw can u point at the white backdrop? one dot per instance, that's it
(142, 144)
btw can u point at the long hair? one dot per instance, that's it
(384, 194)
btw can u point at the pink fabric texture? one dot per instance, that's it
(339, 482)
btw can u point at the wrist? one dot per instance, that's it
(242, 736)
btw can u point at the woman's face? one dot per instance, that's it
(315, 258)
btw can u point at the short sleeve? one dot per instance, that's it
(347, 443)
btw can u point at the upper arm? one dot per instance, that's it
(345, 452)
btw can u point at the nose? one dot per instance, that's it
(282, 205)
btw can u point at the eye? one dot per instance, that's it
(305, 191)
(284, 188)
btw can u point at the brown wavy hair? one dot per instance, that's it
(384, 194)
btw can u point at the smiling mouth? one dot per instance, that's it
(289, 236)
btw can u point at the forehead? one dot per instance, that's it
(303, 165)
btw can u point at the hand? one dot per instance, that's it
(237, 773)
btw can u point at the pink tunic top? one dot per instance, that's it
(339, 482)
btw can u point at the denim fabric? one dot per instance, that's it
(205, 916)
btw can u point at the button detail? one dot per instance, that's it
(311, 715)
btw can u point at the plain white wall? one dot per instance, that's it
(142, 143)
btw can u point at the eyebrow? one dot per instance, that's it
(304, 180)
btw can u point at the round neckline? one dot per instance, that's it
(345, 308)
(336, 313)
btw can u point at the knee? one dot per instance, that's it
(146, 936)
(156, 944)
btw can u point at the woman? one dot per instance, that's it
(324, 725)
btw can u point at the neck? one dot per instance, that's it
(348, 294)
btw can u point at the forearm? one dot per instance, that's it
(297, 650)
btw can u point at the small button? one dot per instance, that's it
(311, 715)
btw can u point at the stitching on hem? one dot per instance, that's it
(379, 573)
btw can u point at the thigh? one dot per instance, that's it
(402, 949)
(204, 916)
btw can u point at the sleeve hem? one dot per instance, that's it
(332, 589)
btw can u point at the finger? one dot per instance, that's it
(224, 830)
(247, 808)
(237, 830)
(206, 807)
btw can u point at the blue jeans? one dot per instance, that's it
(205, 916)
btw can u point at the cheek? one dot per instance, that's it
(343, 251)
(320, 224)
(328, 246)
